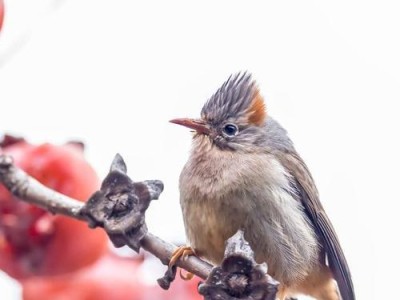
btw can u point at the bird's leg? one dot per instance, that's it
(181, 253)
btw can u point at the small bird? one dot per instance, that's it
(244, 173)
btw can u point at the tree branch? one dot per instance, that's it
(119, 207)
(30, 190)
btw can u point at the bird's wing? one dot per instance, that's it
(308, 195)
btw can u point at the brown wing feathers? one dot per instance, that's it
(308, 195)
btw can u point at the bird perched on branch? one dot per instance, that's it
(244, 172)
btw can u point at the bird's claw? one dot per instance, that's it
(181, 253)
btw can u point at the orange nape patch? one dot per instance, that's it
(257, 112)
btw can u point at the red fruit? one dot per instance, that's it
(34, 242)
(1, 13)
(111, 277)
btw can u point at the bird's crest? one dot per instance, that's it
(257, 112)
(238, 97)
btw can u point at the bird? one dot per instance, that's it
(244, 172)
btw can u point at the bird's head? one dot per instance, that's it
(233, 118)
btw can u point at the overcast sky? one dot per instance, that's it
(112, 73)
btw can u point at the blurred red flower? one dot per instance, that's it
(111, 277)
(33, 241)
(1, 12)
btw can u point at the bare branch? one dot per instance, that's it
(164, 251)
(119, 207)
(30, 190)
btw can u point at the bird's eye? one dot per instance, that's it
(230, 129)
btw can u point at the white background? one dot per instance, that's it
(112, 73)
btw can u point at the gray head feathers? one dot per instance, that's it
(238, 102)
(232, 99)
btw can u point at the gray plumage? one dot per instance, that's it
(254, 179)
(231, 100)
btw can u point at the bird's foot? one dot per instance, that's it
(182, 253)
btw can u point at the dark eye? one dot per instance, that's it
(230, 129)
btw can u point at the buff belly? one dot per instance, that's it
(218, 201)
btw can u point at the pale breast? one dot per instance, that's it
(222, 192)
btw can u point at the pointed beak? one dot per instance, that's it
(197, 124)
